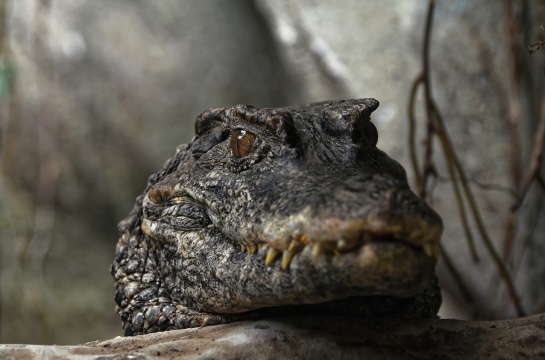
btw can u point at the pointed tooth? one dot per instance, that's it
(428, 250)
(317, 249)
(260, 246)
(432, 250)
(294, 246)
(252, 249)
(243, 247)
(286, 259)
(271, 255)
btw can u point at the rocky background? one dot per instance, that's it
(96, 95)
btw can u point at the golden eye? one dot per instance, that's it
(242, 143)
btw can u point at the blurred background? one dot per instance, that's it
(96, 95)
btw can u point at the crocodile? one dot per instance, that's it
(277, 211)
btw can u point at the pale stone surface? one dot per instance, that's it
(317, 337)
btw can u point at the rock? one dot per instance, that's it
(318, 337)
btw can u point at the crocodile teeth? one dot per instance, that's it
(286, 259)
(317, 249)
(271, 255)
(295, 246)
(432, 250)
(242, 247)
(252, 249)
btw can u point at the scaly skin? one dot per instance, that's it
(272, 211)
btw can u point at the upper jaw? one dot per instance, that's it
(337, 237)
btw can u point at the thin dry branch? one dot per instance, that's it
(412, 131)
(435, 126)
(458, 279)
(536, 159)
(459, 198)
(513, 120)
(428, 152)
(451, 156)
(515, 107)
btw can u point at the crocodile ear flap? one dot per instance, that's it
(209, 130)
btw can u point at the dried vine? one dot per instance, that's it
(435, 128)
(533, 172)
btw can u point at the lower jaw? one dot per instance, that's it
(376, 269)
(424, 305)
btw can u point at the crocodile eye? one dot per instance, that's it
(371, 133)
(242, 143)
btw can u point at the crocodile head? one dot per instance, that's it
(281, 207)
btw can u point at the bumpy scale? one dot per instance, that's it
(274, 211)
